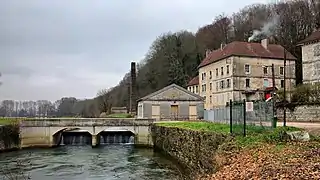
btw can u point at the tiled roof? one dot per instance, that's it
(315, 36)
(194, 81)
(246, 49)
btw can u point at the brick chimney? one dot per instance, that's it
(265, 43)
(208, 51)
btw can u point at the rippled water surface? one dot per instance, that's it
(83, 162)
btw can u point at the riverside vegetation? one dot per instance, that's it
(209, 151)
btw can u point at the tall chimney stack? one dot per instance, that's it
(208, 51)
(265, 43)
(133, 88)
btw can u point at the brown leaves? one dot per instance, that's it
(290, 161)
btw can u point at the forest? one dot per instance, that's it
(173, 57)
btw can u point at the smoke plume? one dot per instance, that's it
(267, 29)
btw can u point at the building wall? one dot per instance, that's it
(217, 95)
(211, 91)
(311, 62)
(194, 89)
(162, 109)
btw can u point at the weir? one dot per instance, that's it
(85, 131)
(76, 138)
(116, 137)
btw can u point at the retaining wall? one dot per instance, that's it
(9, 137)
(302, 114)
(194, 150)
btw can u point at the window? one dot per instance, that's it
(210, 75)
(228, 83)
(196, 89)
(281, 70)
(204, 97)
(247, 83)
(227, 69)
(266, 83)
(210, 87)
(221, 71)
(247, 69)
(221, 84)
(282, 83)
(217, 86)
(265, 70)
(217, 72)
(210, 99)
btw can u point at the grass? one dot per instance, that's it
(8, 121)
(255, 134)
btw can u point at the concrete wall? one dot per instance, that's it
(45, 132)
(9, 137)
(195, 150)
(311, 63)
(302, 114)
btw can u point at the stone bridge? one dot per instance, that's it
(47, 132)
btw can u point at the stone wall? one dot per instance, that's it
(9, 137)
(301, 114)
(194, 150)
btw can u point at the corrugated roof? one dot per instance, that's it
(194, 81)
(315, 36)
(246, 49)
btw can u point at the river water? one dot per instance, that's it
(85, 163)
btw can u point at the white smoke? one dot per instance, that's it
(267, 29)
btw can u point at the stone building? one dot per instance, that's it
(193, 85)
(242, 70)
(171, 103)
(311, 58)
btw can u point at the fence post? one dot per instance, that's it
(244, 117)
(230, 116)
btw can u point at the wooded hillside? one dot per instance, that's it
(174, 57)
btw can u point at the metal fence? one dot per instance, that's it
(243, 116)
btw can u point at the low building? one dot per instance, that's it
(116, 110)
(171, 103)
(193, 85)
(242, 70)
(311, 58)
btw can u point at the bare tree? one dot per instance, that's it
(104, 100)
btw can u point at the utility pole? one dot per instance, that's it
(274, 113)
(284, 87)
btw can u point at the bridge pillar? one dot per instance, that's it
(94, 141)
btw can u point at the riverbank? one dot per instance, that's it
(207, 149)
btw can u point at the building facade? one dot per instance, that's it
(193, 85)
(171, 103)
(311, 58)
(242, 70)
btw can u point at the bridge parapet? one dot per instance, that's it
(84, 122)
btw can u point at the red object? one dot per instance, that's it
(268, 95)
(246, 49)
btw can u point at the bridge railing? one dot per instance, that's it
(86, 122)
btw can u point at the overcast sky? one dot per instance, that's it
(55, 48)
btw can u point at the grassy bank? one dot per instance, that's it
(255, 134)
(264, 153)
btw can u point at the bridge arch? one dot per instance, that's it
(116, 135)
(57, 136)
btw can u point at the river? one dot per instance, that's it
(85, 163)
